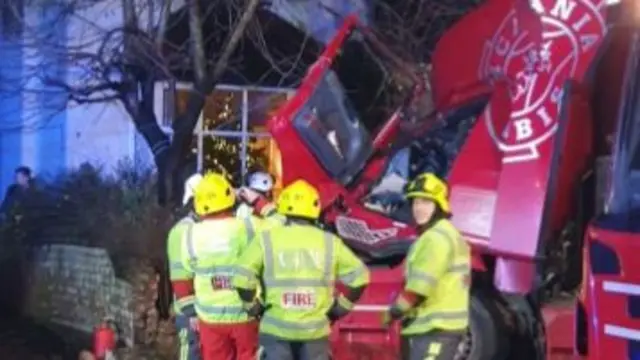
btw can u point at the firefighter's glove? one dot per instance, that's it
(340, 308)
(248, 195)
(255, 309)
(397, 311)
(385, 318)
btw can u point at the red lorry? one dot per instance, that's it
(537, 130)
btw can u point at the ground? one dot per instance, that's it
(21, 339)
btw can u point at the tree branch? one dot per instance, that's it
(183, 128)
(197, 42)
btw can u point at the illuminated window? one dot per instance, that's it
(265, 155)
(231, 136)
(222, 112)
(263, 105)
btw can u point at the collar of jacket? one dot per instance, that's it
(219, 215)
(431, 223)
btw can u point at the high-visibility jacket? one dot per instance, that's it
(298, 265)
(244, 210)
(438, 268)
(256, 224)
(177, 271)
(251, 223)
(210, 250)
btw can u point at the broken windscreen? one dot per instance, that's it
(375, 86)
(354, 98)
(331, 128)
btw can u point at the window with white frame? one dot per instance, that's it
(231, 134)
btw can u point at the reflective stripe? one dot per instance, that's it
(623, 288)
(218, 270)
(268, 210)
(270, 278)
(290, 325)
(412, 274)
(293, 282)
(453, 242)
(251, 232)
(371, 308)
(431, 280)
(445, 234)
(183, 302)
(205, 270)
(189, 219)
(184, 345)
(353, 276)
(244, 272)
(419, 276)
(622, 332)
(190, 246)
(459, 268)
(176, 266)
(220, 309)
(441, 315)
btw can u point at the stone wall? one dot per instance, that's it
(77, 287)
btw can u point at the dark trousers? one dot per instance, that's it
(189, 341)
(436, 345)
(273, 348)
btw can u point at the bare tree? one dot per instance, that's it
(117, 50)
(123, 54)
(413, 27)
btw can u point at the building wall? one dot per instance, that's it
(33, 134)
(10, 104)
(38, 129)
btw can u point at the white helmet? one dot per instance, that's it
(190, 186)
(261, 181)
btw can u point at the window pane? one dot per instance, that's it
(264, 155)
(223, 111)
(262, 105)
(222, 154)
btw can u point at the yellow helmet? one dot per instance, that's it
(213, 194)
(429, 186)
(299, 199)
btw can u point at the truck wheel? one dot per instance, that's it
(529, 342)
(483, 340)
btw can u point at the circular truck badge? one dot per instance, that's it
(571, 31)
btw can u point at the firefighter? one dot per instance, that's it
(261, 183)
(298, 263)
(189, 188)
(258, 200)
(433, 306)
(210, 250)
(181, 278)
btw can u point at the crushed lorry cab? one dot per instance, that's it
(536, 116)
